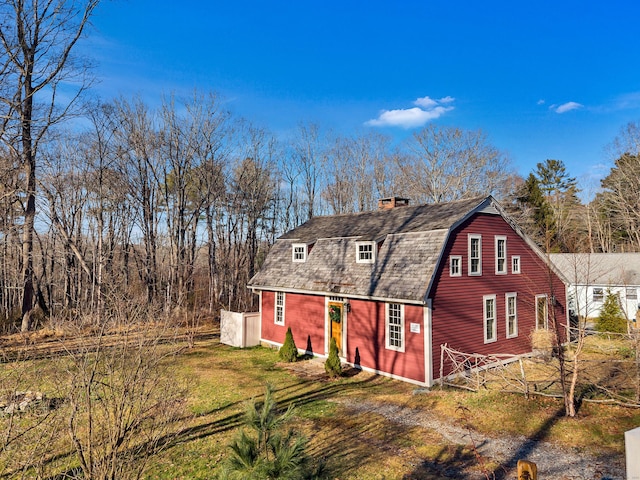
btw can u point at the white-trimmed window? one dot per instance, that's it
(299, 252)
(511, 314)
(455, 265)
(365, 252)
(542, 312)
(515, 264)
(489, 311)
(475, 255)
(598, 294)
(631, 293)
(501, 255)
(278, 315)
(395, 326)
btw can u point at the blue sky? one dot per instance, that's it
(545, 79)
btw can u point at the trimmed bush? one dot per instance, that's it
(332, 365)
(288, 352)
(611, 318)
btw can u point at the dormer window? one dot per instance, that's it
(299, 252)
(365, 252)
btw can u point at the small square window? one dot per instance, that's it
(365, 252)
(515, 264)
(455, 266)
(299, 252)
(631, 293)
(598, 294)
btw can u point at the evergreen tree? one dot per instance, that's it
(531, 197)
(268, 451)
(288, 352)
(332, 365)
(561, 193)
(611, 318)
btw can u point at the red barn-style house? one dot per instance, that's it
(393, 285)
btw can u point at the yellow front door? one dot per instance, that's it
(336, 320)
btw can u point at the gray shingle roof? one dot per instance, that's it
(377, 224)
(412, 241)
(607, 269)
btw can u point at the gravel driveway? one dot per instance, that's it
(554, 462)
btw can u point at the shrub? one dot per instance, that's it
(332, 365)
(611, 318)
(267, 449)
(288, 352)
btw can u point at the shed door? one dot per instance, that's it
(336, 318)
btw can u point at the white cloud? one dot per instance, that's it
(426, 102)
(541, 102)
(427, 109)
(566, 107)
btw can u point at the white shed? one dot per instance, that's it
(240, 329)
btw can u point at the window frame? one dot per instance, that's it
(486, 318)
(279, 302)
(478, 271)
(294, 253)
(600, 294)
(457, 259)
(508, 315)
(516, 264)
(544, 297)
(388, 324)
(634, 295)
(359, 258)
(500, 239)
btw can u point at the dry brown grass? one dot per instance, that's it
(356, 446)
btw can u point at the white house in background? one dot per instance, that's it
(591, 275)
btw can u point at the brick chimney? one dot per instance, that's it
(392, 202)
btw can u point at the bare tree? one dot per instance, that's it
(123, 398)
(189, 143)
(36, 43)
(139, 163)
(621, 197)
(308, 157)
(445, 164)
(355, 173)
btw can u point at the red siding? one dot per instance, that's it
(303, 313)
(365, 332)
(458, 317)
(366, 339)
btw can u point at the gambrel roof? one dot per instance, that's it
(410, 242)
(599, 269)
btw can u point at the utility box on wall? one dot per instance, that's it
(632, 447)
(239, 329)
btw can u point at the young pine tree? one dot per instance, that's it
(611, 318)
(267, 449)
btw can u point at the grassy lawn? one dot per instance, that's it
(359, 446)
(220, 380)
